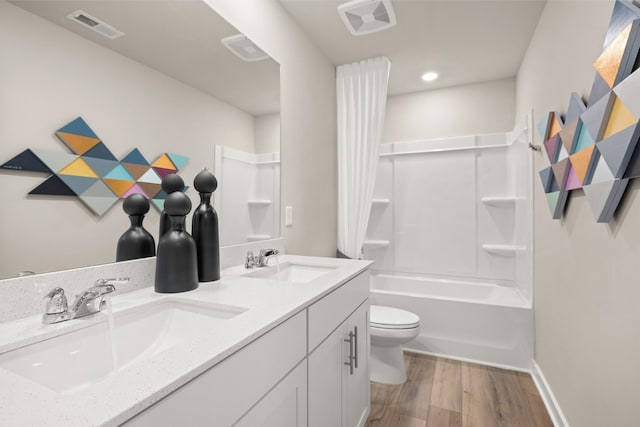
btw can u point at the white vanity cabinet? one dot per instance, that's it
(339, 364)
(222, 395)
(311, 370)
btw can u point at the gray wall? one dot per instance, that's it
(473, 109)
(586, 274)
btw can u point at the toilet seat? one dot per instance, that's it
(381, 317)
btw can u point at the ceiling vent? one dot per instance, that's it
(244, 48)
(367, 16)
(95, 24)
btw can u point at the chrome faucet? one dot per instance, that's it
(90, 301)
(261, 260)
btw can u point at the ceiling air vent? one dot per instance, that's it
(244, 48)
(367, 16)
(95, 24)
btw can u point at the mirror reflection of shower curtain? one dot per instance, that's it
(361, 90)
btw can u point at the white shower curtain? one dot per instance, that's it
(362, 99)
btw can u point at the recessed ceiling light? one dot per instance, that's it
(430, 76)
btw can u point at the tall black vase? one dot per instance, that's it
(176, 263)
(170, 184)
(136, 242)
(205, 229)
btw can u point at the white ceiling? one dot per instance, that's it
(464, 41)
(180, 39)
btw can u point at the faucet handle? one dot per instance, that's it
(250, 260)
(112, 281)
(56, 301)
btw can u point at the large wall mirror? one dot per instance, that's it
(167, 85)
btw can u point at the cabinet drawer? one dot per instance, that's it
(328, 313)
(221, 395)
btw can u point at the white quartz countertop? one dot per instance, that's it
(129, 390)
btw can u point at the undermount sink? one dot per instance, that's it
(292, 272)
(71, 362)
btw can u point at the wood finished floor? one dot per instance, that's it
(447, 393)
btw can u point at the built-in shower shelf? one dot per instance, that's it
(500, 201)
(376, 243)
(380, 202)
(256, 237)
(259, 202)
(502, 250)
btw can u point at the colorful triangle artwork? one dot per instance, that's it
(561, 171)
(576, 107)
(53, 186)
(164, 162)
(568, 135)
(78, 144)
(135, 170)
(55, 160)
(26, 161)
(79, 168)
(583, 164)
(78, 127)
(90, 171)
(543, 126)
(619, 118)
(100, 151)
(552, 147)
(617, 149)
(119, 172)
(608, 63)
(584, 139)
(118, 186)
(135, 157)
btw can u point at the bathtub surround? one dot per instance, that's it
(361, 90)
(468, 275)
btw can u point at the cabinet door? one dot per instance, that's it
(358, 391)
(284, 406)
(327, 382)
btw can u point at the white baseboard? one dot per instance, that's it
(550, 402)
(467, 359)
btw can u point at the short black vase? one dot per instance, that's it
(170, 184)
(136, 242)
(205, 228)
(176, 263)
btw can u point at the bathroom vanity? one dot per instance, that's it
(270, 347)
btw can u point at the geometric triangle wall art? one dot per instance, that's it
(595, 147)
(92, 173)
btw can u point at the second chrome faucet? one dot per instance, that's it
(261, 260)
(89, 301)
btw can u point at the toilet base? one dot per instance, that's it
(387, 365)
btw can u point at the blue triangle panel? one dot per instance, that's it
(576, 107)
(136, 158)
(100, 166)
(599, 89)
(79, 184)
(53, 186)
(26, 161)
(100, 151)
(623, 13)
(119, 172)
(177, 160)
(78, 127)
(161, 195)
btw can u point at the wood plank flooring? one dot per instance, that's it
(447, 393)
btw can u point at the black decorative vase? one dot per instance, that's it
(136, 242)
(170, 184)
(205, 228)
(176, 263)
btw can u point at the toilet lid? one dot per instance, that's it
(392, 318)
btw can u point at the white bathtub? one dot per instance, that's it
(475, 321)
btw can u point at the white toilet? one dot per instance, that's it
(390, 329)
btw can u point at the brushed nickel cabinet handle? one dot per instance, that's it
(355, 328)
(351, 357)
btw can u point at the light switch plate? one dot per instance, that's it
(288, 216)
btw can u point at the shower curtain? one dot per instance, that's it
(362, 98)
